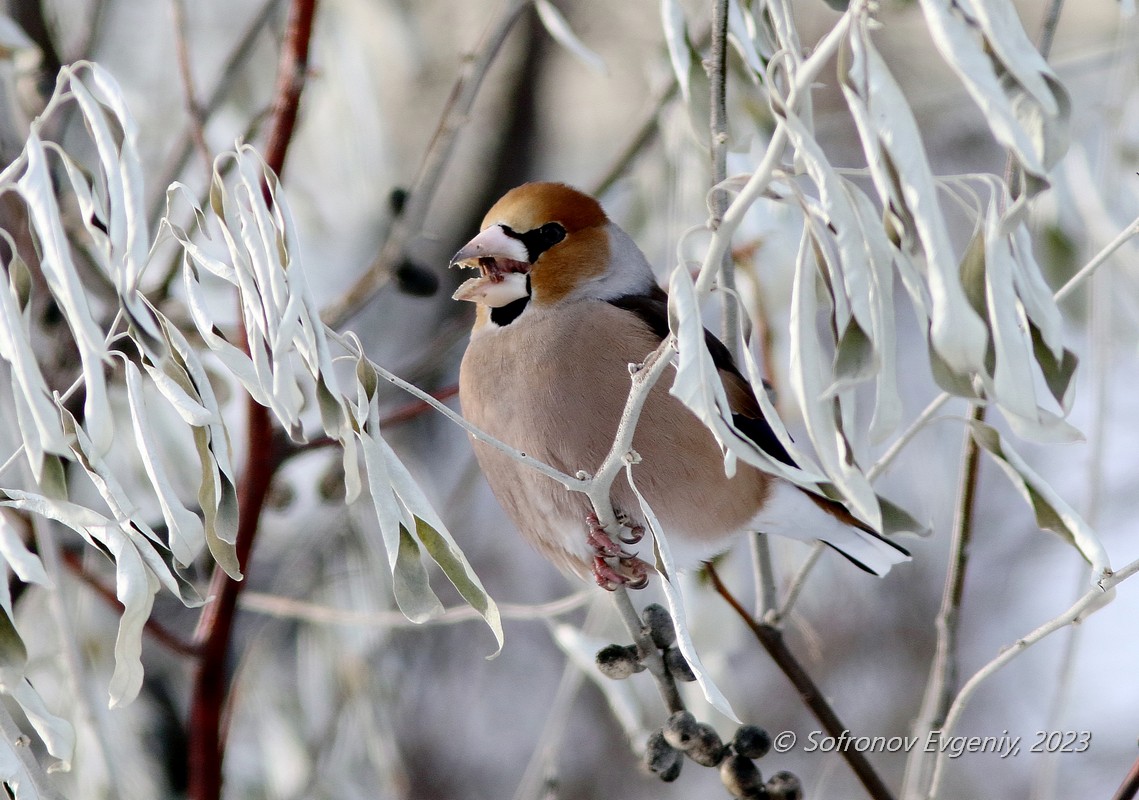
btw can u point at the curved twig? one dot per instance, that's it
(772, 640)
(422, 191)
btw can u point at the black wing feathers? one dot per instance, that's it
(652, 309)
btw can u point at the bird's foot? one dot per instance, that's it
(635, 532)
(600, 543)
(630, 572)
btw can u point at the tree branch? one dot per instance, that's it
(943, 670)
(215, 627)
(409, 223)
(1092, 600)
(772, 640)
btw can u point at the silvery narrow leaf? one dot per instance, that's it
(439, 545)
(1012, 348)
(881, 256)
(135, 587)
(697, 384)
(1058, 372)
(122, 180)
(890, 134)
(1035, 294)
(841, 218)
(557, 26)
(741, 33)
(20, 559)
(619, 695)
(13, 654)
(676, 37)
(186, 535)
(63, 281)
(438, 542)
(1052, 512)
(352, 485)
(1009, 43)
(979, 61)
(217, 497)
(232, 358)
(669, 581)
(28, 381)
(410, 582)
(140, 535)
(190, 410)
(808, 379)
(135, 582)
(56, 733)
(854, 360)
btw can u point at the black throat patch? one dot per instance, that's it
(504, 315)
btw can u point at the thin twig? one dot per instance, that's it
(643, 135)
(152, 626)
(540, 772)
(943, 670)
(653, 660)
(772, 640)
(193, 107)
(40, 785)
(718, 198)
(1130, 786)
(409, 223)
(73, 666)
(1098, 260)
(797, 584)
(289, 608)
(757, 184)
(221, 90)
(215, 627)
(1092, 600)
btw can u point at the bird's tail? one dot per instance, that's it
(799, 514)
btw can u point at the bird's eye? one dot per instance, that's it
(552, 233)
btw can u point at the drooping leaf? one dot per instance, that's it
(1051, 511)
(904, 181)
(669, 579)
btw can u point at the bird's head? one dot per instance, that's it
(544, 243)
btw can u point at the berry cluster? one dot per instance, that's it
(619, 661)
(682, 735)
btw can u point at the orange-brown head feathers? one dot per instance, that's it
(543, 243)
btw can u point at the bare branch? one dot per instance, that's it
(772, 640)
(409, 223)
(1092, 600)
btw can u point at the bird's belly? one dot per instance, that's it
(556, 389)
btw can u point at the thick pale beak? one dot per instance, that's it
(504, 264)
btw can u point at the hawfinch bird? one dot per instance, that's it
(565, 302)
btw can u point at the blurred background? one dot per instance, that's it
(335, 695)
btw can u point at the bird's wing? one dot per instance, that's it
(652, 309)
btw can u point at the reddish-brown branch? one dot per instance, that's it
(211, 682)
(160, 632)
(772, 640)
(1130, 786)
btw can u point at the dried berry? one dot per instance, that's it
(741, 778)
(619, 661)
(784, 786)
(677, 665)
(681, 730)
(659, 624)
(661, 758)
(708, 749)
(751, 741)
